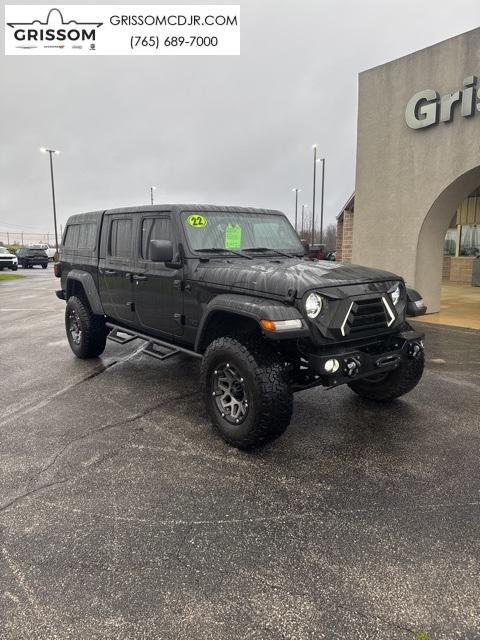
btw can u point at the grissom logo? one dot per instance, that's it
(53, 30)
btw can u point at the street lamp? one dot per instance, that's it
(322, 160)
(313, 190)
(51, 153)
(152, 189)
(296, 204)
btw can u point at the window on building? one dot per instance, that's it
(154, 229)
(120, 238)
(469, 240)
(449, 246)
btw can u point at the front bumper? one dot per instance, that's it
(8, 264)
(350, 363)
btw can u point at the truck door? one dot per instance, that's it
(158, 294)
(115, 267)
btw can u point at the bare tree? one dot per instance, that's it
(305, 229)
(330, 237)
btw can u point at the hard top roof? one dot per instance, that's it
(178, 208)
(173, 208)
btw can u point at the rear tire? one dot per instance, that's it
(44, 266)
(86, 332)
(246, 391)
(394, 384)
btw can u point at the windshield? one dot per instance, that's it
(3, 250)
(240, 231)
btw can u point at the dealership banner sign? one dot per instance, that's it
(122, 30)
(427, 107)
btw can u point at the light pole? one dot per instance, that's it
(152, 189)
(51, 153)
(303, 213)
(313, 190)
(321, 205)
(296, 205)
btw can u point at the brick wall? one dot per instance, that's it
(447, 264)
(347, 236)
(339, 246)
(461, 269)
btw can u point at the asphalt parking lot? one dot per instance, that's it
(123, 516)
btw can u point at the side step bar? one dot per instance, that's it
(155, 347)
(115, 336)
(158, 351)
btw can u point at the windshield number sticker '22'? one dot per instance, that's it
(197, 221)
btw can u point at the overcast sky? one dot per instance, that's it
(222, 130)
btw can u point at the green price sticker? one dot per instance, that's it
(197, 221)
(233, 236)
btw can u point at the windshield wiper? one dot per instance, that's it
(262, 249)
(220, 250)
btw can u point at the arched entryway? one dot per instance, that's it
(428, 273)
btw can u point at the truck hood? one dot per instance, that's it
(282, 277)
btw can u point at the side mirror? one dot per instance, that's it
(415, 304)
(161, 250)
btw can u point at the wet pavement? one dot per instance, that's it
(123, 516)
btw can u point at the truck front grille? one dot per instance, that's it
(367, 314)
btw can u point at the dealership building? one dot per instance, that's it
(416, 206)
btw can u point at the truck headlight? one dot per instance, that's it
(313, 305)
(395, 294)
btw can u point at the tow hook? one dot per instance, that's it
(414, 350)
(352, 367)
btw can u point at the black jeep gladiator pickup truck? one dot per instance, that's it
(234, 287)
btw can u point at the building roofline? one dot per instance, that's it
(350, 200)
(417, 51)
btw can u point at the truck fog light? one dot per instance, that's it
(331, 366)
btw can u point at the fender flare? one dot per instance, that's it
(251, 307)
(89, 287)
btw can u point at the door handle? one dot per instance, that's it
(139, 278)
(110, 272)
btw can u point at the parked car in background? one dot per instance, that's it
(29, 258)
(50, 251)
(317, 251)
(8, 260)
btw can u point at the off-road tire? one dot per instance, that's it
(270, 399)
(395, 384)
(44, 266)
(13, 268)
(93, 331)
